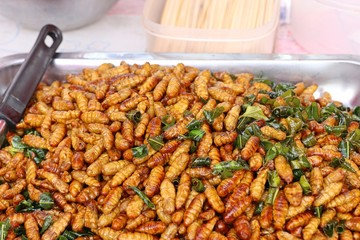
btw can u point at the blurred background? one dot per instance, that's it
(226, 26)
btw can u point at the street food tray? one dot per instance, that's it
(337, 74)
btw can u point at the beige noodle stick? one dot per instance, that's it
(239, 13)
(203, 14)
(261, 14)
(269, 10)
(165, 16)
(182, 13)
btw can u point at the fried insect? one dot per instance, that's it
(192, 212)
(168, 193)
(213, 197)
(280, 210)
(258, 185)
(31, 227)
(57, 227)
(328, 193)
(250, 147)
(293, 193)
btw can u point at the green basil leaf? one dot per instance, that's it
(282, 111)
(344, 148)
(273, 179)
(140, 151)
(254, 112)
(295, 124)
(144, 197)
(329, 228)
(309, 140)
(259, 207)
(20, 230)
(336, 130)
(26, 206)
(4, 229)
(240, 141)
(297, 174)
(71, 235)
(226, 174)
(312, 111)
(273, 192)
(18, 144)
(230, 166)
(340, 227)
(341, 162)
(318, 211)
(242, 123)
(195, 124)
(305, 185)
(47, 222)
(197, 185)
(196, 134)
(31, 132)
(168, 121)
(46, 201)
(156, 142)
(210, 115)
(201, 162)
(134, 116)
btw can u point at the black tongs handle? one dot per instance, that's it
(29, 75)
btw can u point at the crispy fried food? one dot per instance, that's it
(144, 151)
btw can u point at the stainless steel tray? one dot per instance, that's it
(336, 74)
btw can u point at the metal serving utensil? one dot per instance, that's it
(23, 86)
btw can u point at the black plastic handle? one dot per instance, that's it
(23, 86)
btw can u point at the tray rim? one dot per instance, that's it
(208, 57)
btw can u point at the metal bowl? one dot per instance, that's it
(65, 14)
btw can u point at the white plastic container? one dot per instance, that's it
(326, 26)
(161, 38)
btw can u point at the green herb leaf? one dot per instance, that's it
(318, 211)
(282, 111)
(340, 227)
(46, 201)
(329, 228)
(312, 111)
(240, 141)
(134, 116)
(201, 162)
(210, 115)
(295, 125)
(4, 229)
(242, 123)
(195, 135)
(341, 162)
(259, 207)
(195, 124)
(140, 151)
(26, 206)
(47, 222)
(31, 132)
(156, 142)
(273, 178)
(20, 230)
(144, 197)
(344, 148)
(336, 130)
(168, 121)
(71, 235)
(230, 166)
(297, 174)
(309, 140)
(305, 185)
(273, 192)
(254, 112)
(197, 185)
